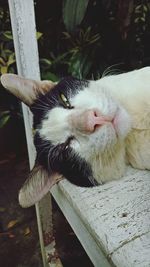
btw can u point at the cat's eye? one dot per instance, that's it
(65, 101)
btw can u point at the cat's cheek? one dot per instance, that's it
(122, 123)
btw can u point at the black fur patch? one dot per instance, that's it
(64, 161)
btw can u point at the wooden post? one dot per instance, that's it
(25, 43)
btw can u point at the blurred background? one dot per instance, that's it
(85, 39)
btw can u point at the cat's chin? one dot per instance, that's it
(108, 176)
(103, 164)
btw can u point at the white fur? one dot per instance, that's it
(132, 90)
(108, 150)
(103, 149)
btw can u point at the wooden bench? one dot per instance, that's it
(111, 221)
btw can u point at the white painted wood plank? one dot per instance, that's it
(26, 51)
(91, 246)
(131, 256)
(115, 214)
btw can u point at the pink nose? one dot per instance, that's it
(89, 120)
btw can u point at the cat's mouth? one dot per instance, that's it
(119, 123)
(105, 121)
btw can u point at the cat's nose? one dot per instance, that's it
(89, 120)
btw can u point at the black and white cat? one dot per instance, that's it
(86, 131)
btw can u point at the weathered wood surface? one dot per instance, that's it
(26, 52)
(116, 215)
(27, 59)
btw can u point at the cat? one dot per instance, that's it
(85, 131)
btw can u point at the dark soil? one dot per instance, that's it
(19, 244)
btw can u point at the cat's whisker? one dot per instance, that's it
(48, 159)
(40, 108)
(92, 180)
(111, 70)
(44, 104)
(43, 145)
(54, 99)
(52, 129)
(69, 94)
(80, 73)
(41, 105)
(42, 151)
(50, 101)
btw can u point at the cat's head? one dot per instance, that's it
(75, 121)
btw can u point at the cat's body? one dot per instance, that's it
(88, 131)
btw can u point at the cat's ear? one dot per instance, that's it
(36, 186)
(25, 89)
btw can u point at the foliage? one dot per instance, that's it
(4, 117)
(79, 56)
(7, 56)
(73, 13)
(8, 64)
(83, 38)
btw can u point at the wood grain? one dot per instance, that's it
(27, 59)
(117, 215)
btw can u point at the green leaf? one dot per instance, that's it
(38, 35)
(45, 61)
(3, 113)
(80, 65)
(4, 120)
(49, 76)
(73, 13)
(8, 35)
(2, 62)
(3, 69)
(11, 59)
(61, 58)
(145, 8)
